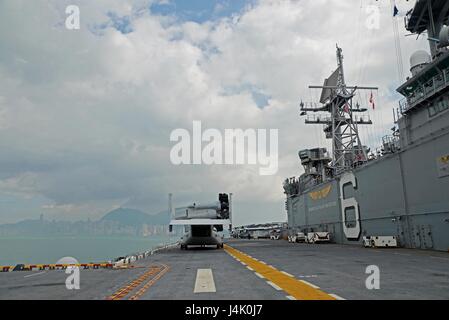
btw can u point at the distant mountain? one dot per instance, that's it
(120, 222)
(135, 218)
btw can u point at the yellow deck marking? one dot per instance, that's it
(125, 290)
(286, 273)
(139, 293)
(293, 287)
(310, 284)
(337, 297)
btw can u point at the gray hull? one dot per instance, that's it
(403, 194)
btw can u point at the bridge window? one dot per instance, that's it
(438, 107)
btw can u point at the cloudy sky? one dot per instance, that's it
(86, 115)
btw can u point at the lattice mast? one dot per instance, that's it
(340, 118)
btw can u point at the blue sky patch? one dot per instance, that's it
(260, 98)
(122, 24)
(200, 10)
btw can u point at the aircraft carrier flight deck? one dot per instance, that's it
(249, 270)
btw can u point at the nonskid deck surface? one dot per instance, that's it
(341, 269)
(250, 270)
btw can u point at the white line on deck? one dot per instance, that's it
(35, 274)
(336, 297)
(287, 274)
(262, 262)
(274, 286)
(290, 298)
(243, 263)
(310, 284)
(259, 275)
(204, 281)
(249, 268)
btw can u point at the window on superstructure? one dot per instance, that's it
(432, 111)
(443, 104)
(438, 107)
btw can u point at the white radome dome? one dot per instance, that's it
(418, 60)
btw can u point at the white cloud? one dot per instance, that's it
(89, 116)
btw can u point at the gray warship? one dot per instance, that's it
(403, 190)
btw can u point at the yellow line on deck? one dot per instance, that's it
(293, 287)
(139, 293)
(128, 288)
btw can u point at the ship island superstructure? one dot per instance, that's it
(401, 191)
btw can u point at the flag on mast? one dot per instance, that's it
(371, 101)
(395, 11)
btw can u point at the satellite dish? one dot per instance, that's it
(444, 37)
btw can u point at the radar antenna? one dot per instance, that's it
(340, 117)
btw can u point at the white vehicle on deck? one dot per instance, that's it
(203, 224)
(275, 235)
(318, 237)
(298, 237)
(380, 242)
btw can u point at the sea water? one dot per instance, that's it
(48, 250)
